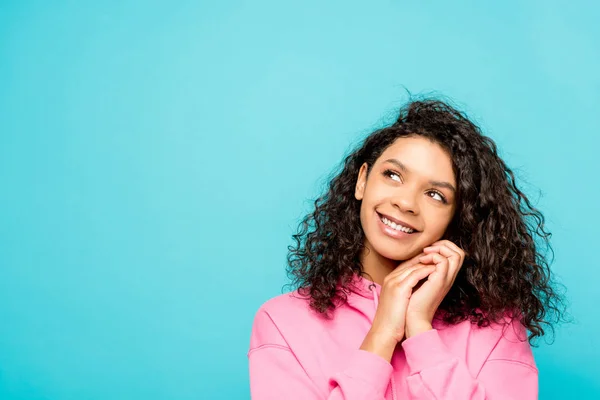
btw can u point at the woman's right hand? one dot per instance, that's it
(388, 324)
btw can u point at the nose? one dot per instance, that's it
(406, 201)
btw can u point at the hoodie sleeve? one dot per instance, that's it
(276, 373)
(509, 371)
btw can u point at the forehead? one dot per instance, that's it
(421, 156)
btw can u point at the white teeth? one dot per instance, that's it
(393, 225)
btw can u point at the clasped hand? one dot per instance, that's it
(407, 307)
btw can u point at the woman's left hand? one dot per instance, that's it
(425, 300)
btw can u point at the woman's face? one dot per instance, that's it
(413, 183)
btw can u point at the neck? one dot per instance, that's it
(376, 266)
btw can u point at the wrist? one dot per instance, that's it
(414, 328)
(379, 343)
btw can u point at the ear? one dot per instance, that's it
(361, 182)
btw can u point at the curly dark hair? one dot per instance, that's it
(504, 269)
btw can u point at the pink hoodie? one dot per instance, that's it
(296, 354)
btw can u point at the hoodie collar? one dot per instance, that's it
(364, 288)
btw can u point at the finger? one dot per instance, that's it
(441, 262)
(451, 245)
(415, 277)
(408, 271)
(454, 258)
(411, 262)
(400, 275)
(436, 258)
(444, 250)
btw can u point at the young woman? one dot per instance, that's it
(417, 276)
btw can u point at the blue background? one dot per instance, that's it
(155, 158)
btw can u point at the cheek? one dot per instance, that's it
(437, 224)
(364, 218)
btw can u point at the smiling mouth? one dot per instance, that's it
(396, 227)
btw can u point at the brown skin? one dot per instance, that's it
(408, 196)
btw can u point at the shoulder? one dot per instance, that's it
(507, 327)
(513, 342)
(284, 304)
(276, 315)
(506, 339)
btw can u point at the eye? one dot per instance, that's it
(442, 198)
(389, 173)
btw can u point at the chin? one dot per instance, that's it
(396, 254)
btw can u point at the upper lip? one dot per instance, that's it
(398, 222)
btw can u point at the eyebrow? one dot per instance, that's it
(404, 168)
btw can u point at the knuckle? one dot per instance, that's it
(415, 274)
